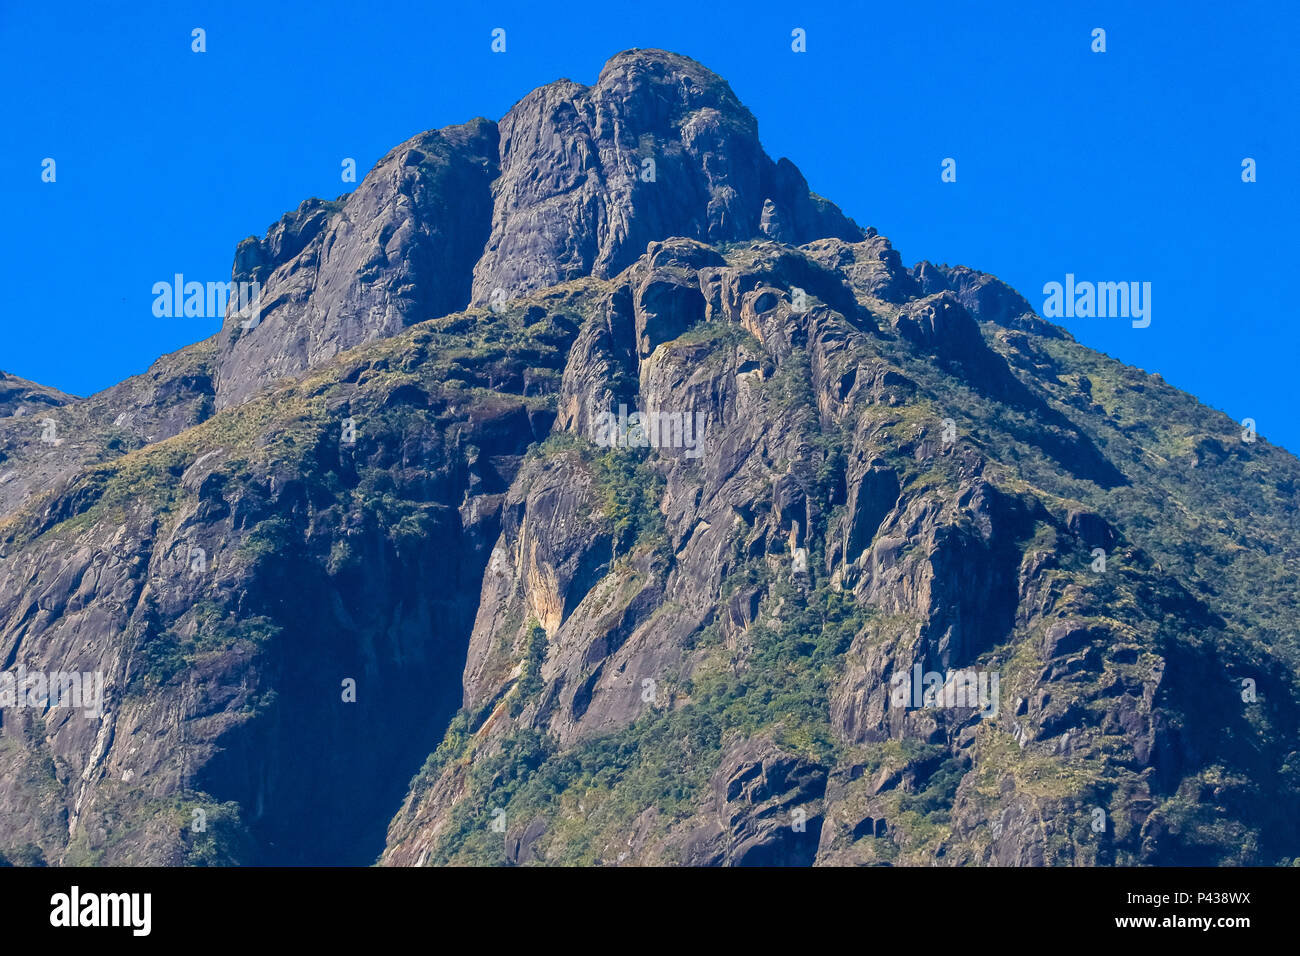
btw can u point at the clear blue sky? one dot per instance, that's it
(1117, 166)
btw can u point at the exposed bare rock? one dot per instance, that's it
(334, 275)
(658, 147)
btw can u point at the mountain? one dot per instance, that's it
(393, 574)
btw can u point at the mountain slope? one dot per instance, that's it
(379, 529)
(771, 690)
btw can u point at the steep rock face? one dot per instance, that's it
(768, 810)
(333, 275)
(832, 515)
(277, 600)
(225, 634)
(659, 147)
(558, 191)
(872, 267)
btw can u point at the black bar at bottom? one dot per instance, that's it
(618, 906)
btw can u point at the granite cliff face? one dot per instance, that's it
(368, 579)
(581, 171)
(480, 213)
(334, 275)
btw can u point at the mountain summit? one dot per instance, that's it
(574, 181)
(590, 491)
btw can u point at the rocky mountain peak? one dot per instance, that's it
(574, 181)
(659, 147)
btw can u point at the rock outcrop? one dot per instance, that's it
(332, 275)
(659, 147)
